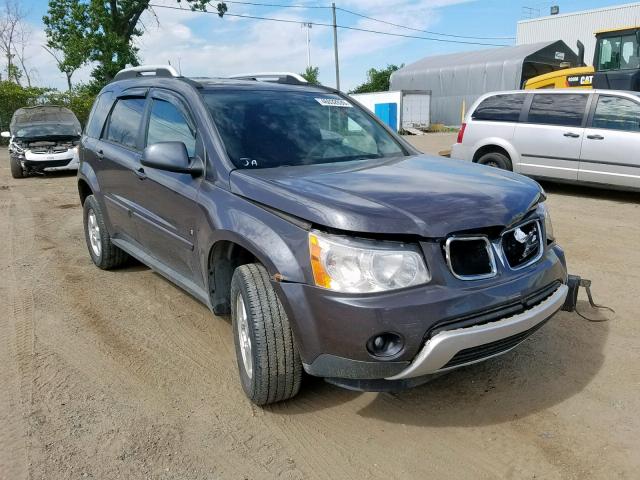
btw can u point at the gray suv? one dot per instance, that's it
(337, 248)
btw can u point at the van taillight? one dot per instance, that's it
(461, 132)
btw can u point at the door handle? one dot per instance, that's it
(595, 137)
(571, 135)
(100, 154)
(140, 173)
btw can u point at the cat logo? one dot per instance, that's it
(579, 81)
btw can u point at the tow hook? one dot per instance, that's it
(574, 282)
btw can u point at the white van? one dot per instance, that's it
(590, 136)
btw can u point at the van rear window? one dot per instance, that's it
(563, 109)
(500, 108)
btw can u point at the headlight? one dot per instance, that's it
(343, 264)
(543, 211)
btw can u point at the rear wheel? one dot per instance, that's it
(103, 252)
(496, 159)
(268, 361)
(16, 168)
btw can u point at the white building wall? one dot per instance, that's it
(571, 27)
(370, 100)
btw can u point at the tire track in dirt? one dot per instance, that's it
(17, 337)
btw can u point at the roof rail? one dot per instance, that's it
(150, 70)
(277, 77)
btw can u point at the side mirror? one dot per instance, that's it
(171, 157)
(5, 134)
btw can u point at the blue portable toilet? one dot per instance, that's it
(388, 113)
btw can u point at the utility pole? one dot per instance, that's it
(335, 45)
(308, 27)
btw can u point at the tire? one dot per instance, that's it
(103, 252)
(496, 159)
(275, 369)
(16, 168)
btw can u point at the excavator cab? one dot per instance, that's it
(617, 59)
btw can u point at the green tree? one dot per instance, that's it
(67, 29)
(13, 97)
(311, 75)
(377, 80)
(101, 31)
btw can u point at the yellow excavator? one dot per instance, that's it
(616, 65)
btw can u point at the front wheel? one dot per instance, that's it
(268, 361)
(16, 167)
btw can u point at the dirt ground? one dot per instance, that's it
(122, 375)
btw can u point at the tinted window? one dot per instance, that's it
(500, 108)
(617, 113)
(168, 124)
(266, 128)
(124, 122)
(562, 109)
(98, 115)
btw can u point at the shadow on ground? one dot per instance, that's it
(591, 192)
(550, 367)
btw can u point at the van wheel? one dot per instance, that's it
(268, 361)
(103, 253)
(496, 159)
(16, 167)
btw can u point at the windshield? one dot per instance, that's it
(269, 128)
(618, 53)
(38, 130)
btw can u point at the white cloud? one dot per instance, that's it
(234, 45)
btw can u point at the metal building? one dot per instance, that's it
(571, 27)
(458, 79)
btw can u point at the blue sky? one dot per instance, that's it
(203, 44)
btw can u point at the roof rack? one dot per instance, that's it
(277, 77)
(146, 70)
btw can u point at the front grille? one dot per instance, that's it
(46, 163)
(523, 245)
(480, 352)
(470, 257)
(496, 313)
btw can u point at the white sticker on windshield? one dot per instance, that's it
(333, 102)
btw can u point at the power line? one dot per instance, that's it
(344, 27)
(351, 12)
(419, 30)
(279, 5)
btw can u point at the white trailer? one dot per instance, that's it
(399, 109)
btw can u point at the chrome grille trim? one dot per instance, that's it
(541, 239)
(462, 238)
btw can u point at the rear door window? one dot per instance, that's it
(500, 108)
(616, 113)
(167, 123)
(124, 122)
(563, 109)
(98, 115)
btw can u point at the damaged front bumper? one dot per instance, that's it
(49, 162)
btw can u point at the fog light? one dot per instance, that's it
(385, 345)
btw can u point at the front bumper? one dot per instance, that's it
(463, 346)
(50, 162)
(332, 329)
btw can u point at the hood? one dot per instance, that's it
(419, 195)
(44, 121)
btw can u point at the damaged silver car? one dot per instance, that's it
(43, 139)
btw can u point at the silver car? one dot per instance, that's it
(585, 136)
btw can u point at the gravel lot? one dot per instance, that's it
(122, 375)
